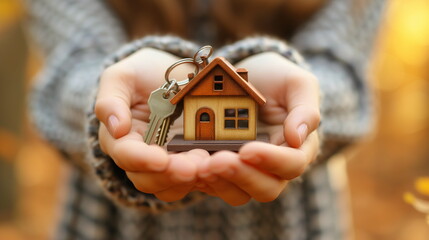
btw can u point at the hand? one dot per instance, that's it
(122, 108)
(291, 114)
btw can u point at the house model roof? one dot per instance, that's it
(231, 71)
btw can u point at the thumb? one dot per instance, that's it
(302, 103)
(112, 106)
(299, 123)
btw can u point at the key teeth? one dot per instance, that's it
(162, 132)
(158, 139)
(158, 134)
(165, 138)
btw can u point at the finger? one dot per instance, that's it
(130, 153)
(302, 102)
(198, 155)
(201, 162)
(183, 167)
(284, 162)
(113, 102)
(180, 171)
(136, 156)
(219, 187)
(150, 182)
(205, 188)
(138, 128)
(311, 147)
(229, 192)
(259, 185)
(174, 194)
(213, 185)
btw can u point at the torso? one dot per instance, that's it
(216, 22)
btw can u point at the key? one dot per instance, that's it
(160, 109)
(163, 130)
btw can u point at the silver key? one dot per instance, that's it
(160, 109)
(163, 130)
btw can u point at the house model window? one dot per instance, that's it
(205, 117)
(236, 118)
(218, 83)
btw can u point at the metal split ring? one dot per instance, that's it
(180, 62)
(198, 54)
(171, 87)
(197, 62)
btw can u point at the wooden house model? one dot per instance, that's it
(220, 104)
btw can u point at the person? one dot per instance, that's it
(104, 58)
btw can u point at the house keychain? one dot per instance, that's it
(162, 112)
(220, 107)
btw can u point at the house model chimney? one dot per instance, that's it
(243, 73)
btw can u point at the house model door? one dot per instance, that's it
(205, 124)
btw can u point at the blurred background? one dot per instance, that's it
(380, 170)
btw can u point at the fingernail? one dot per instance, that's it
(302, 132)
(182, 178)
(251, 158)
(113, 123)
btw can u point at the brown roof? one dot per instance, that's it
(228, 68)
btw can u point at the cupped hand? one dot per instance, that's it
(122, 108)
(291, 115)
(258, 171)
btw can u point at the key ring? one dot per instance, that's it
(197, 54)
(171, 87)
(182, 61)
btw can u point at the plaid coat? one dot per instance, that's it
(78, 39)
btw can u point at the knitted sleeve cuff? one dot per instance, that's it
(114, 179)
(260, 44)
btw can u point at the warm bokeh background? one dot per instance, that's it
(380, 170)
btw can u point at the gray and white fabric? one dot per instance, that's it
(80, 37)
